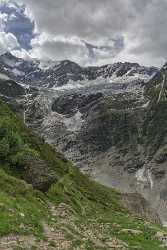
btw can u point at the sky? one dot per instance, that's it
(89, 32)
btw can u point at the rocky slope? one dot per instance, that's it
(46, 203)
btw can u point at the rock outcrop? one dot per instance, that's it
(37, 173)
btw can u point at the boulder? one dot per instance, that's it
(37, 173)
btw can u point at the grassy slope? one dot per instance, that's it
(93, 216)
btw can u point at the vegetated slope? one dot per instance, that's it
(46, 203)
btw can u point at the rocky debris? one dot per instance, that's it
(139, 206)
(12, 241)
(162, 237)
(36, 172)
(131, 231)
(93, 232)
(63, 211)
(54, 240)
(116, 244)
(116, 226)
(56, 237)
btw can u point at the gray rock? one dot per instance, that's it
(37, 173)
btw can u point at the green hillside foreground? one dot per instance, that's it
(60, 208)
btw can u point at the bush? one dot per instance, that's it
(162, 155)
(15, 142)
(4, 148)
(18, 158)
(13, 149)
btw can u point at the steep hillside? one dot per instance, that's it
(46, 203)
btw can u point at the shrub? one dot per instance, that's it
(162, 155)
(18, 158)
(4, 148)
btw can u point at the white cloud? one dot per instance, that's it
(3, 19)
(22, 53)
(8, 42)
(63, 25)
(59, 48)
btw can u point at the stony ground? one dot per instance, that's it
(64, 232)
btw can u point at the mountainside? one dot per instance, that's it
(116, 136)
(111, 123)
(46, 203)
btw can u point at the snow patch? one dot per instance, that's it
(145, 105)
(4, 77)
(140, 175)
(144, 175)
(150, 179)
(17, 72)
(162, 87)
(48, 64)
(127, 78)
(69, 86)
(73, 123)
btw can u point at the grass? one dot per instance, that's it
(21, 208)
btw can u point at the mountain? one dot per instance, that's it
(108, 126)
(53, 74)
(111, 123)
(46, 203)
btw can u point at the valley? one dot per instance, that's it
(111, 123)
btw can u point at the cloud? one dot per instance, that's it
(96, 31)
(8, 42)
(16, 21)
(142, 24)
(59, 47)
(3, 19)
(146, 41)
(89, 21)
